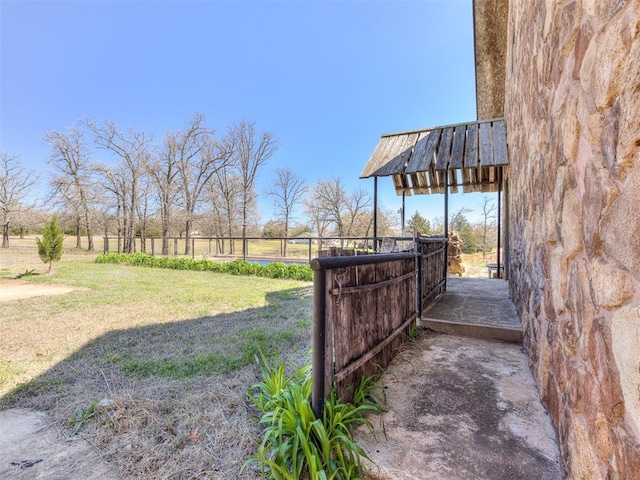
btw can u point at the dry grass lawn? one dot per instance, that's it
(172, 351)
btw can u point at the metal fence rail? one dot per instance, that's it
(277, 248)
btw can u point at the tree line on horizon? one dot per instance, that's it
(105, 180)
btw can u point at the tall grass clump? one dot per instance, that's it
(298, 445)
(234, 267)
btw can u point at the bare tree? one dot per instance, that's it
(488, 209)
(356, 203)
(327, 202)
(225, 197)
(163, 171)
(317, 216)
(251, 151)
(335, 205)
(65, 197)
(198, 157)
(16, 183)
(114, 182)
(143, 210)
(288, 189)
(124, 180)
(74, 180)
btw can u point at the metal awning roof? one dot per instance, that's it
(472, 155)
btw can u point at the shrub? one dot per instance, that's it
(234, 267)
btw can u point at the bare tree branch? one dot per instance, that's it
(125, 180)
(16, 183)
(74, 182)
(288, 189)
(251, 152)
(198, 157)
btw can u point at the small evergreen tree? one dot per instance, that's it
(50, 247)
(418, 224)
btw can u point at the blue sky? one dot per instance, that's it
(325, 77)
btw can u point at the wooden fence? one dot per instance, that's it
(364, 308)
(432, 270)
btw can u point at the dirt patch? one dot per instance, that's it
(17, 289)
(30, 447)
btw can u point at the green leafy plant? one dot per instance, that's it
(81, 416)
(296, 444)
(50, 247)
(415, 331)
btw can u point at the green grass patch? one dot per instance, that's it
(121, 314)
(247, 345)
(8, 370)
(199, 365)
(38, 386)
(235, 267)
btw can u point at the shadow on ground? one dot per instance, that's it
(176, 395)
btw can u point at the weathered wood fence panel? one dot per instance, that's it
(364, 309)
(432, 269)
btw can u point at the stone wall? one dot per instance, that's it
(490, 40)
(573, 116)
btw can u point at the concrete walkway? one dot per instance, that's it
(462, 403)
(462, 409)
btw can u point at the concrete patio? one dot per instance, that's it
(475, 307)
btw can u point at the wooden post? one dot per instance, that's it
(193, 248)
(153, 247)
(309, 250)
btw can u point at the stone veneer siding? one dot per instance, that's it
(573, 116)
